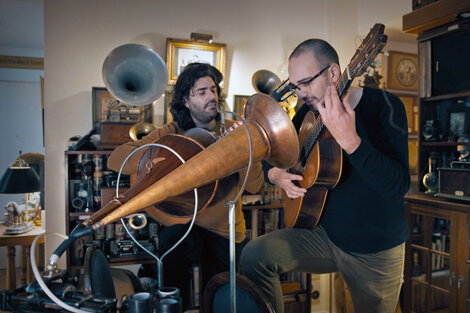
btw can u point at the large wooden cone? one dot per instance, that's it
(273, 137)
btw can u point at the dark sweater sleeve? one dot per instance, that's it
(266, 168)
(382, 159)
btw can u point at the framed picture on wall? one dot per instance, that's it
(180, 52)
(167, 117)
(458, 121)
(239, 102)
(413, 155)
(402, 71)
(411, 106)
(106, 108)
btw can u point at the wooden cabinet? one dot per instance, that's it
(437, 260)
(89, 186)
(444, 110)
(437, 256)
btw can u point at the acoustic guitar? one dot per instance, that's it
(321, 158)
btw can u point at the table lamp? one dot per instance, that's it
(19, 178)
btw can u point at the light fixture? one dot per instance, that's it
(20, 178)
(201, 37)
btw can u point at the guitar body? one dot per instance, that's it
(321, 169)
(157, 162)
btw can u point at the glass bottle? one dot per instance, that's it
(430, 180)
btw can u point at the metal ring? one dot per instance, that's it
(137, 215)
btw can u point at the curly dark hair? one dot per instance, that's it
(186, 80)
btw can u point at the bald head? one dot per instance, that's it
(322, 50)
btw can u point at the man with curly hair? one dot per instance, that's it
(196, 96)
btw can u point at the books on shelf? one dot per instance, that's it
(439, 243)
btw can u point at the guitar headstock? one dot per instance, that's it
(370, 47)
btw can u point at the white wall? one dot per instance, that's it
(20, 119)
(259, 34)
(21, 34)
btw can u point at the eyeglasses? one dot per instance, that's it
(308, 81)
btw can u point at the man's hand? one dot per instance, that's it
(284, 180)
(340, 119)
(234, 126)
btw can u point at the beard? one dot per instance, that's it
(205, 114)
(311, 102)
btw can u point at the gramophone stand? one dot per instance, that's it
(231, 217)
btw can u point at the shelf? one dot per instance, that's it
(448, 96)
(443, 143)
(124, 260)
(437, 202)
(88, 152)
(81, 214)
(434, 15)
(132, 259)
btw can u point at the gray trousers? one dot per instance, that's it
(374, 279)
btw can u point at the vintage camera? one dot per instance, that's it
(430, 130)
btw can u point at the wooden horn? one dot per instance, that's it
(273, 137)
(180, 209)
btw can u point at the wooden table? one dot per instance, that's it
(24, 240)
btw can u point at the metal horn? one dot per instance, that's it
(140, 129)
(135, 74)
(265, 81)
(273, 138)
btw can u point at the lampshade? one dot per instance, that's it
(20, 180)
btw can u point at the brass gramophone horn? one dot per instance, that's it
(140, 129)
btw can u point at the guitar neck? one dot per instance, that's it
(344, 83)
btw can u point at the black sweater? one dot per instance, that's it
(365, 212)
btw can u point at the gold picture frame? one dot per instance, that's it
(411, 106)
(413, 155)
(239, 102)
(402, 71)
(167, 116)
(180, 52)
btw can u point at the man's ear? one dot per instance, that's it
(186, 102)
(334, 72)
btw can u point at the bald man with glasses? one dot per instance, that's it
(362, 230)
